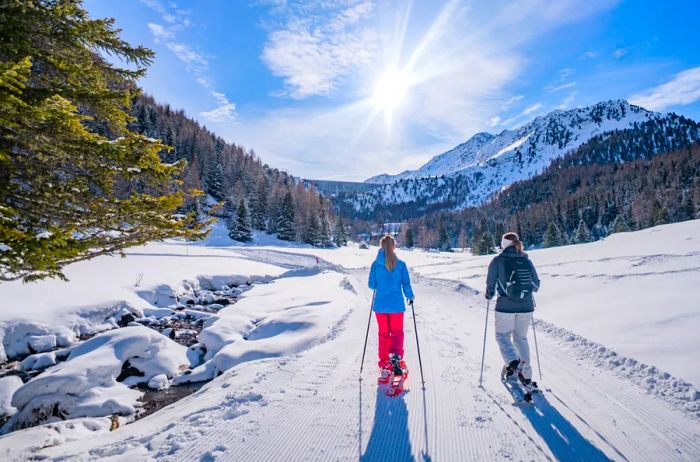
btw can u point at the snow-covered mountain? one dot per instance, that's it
(471, 173)
(531, 147)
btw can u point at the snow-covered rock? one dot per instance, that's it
(159, 382)
(21, 338)
(276, 319)
(8, 386)
(95, 379)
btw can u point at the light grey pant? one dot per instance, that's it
(511, 336)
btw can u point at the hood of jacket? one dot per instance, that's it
(510, 252)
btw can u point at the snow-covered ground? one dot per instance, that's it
(616, 332)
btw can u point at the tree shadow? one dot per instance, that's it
(563, 439)
(389, 438)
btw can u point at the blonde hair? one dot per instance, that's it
(517, 243)
(388, 244)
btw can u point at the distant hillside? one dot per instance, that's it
(333, 188)
(228, 172)
(624, 180)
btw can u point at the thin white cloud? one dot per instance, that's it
(512, 102)
(177, 22)
(314, 52)
(567, 102)
(531, 108)
(159, 32)
(224, 112)
(620, 52)
(194, 60)
(158, 7)
(566, 73)
(682, 89)
(554, 88)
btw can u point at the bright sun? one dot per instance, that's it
(389, 91)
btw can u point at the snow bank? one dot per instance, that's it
(95, 379)
(662, 384)
(636, 293)
(284, 317)
(41, 315)
(23, 445)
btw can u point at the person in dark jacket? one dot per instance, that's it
(388, 277)
(513, 276)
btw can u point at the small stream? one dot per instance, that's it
(182, 326)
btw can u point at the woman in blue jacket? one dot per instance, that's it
(388, 277)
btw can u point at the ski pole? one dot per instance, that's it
(415, 329)
(534, 335)
(483, 349)
(369, 321)
(537, 350)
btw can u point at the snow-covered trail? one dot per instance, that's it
(312, 407)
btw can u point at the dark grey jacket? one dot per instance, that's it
(496, 280)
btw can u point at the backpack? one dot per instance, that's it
(518, 285)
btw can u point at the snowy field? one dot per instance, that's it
(617, 324)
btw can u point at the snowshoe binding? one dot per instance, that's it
(510, 369)
(528, 385)
(399, 374)
(385, 374)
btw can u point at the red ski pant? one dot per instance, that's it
(390, 326)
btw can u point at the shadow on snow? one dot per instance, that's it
(389, 438)
(562, 438)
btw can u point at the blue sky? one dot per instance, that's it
(346, 89)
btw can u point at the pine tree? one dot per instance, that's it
(340, 236)
(582, 234)
(687, 207)
(410, 238)
(229, 212)
(285, 219)
(68, 193)
(259, 210)
(484, 244)
(443, 237)
(312, 229)
(240, 231)
(215, 175)
(324, 235)
(619, 224)
(659, 214)
(552, 236)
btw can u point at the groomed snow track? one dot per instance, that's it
(312, 406)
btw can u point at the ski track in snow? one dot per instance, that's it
(311, 406)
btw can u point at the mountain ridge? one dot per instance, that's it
(484, 146)
(497, 164)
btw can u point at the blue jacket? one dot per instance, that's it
(496, 281)
(389, 286)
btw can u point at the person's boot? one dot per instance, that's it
(512, 368)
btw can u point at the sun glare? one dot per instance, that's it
(389, 91)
